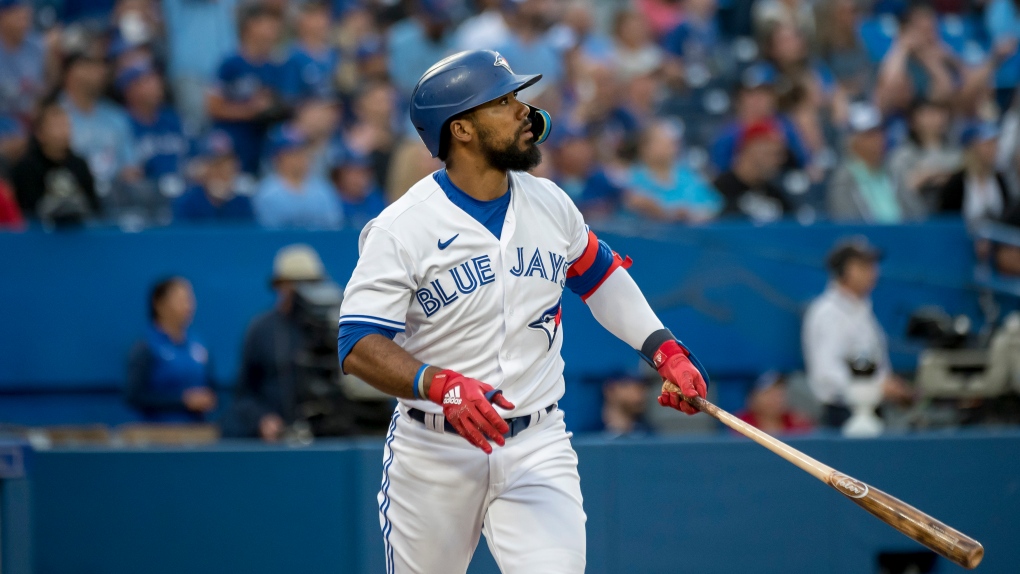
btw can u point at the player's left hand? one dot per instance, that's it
(674, 364)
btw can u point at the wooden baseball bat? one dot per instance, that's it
(943, 539)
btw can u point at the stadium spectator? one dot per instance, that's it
(13, 141)
(579, 33)
(757, 100)
(635, 51)
(418, 42)
(199, 36)
(769, 14)
(487, 29)
(839, 45)
(697, 35)
(661, 15)
(10, 214)
(599, 109)
(1002, 22)
(159, 138)
(24, 60)
(786, 49)
(100, 129)
(923, 163)
(862, 189)
(1006, 256)
(356, 188)
(661, 187)
(371, 129)
(290, 195)
(768, 410)
(594, 191)
(840, 328)
(317, 120)
(51, 182)
(411, 162)
(748, 186)
(624, 399)
(215, 197)
(264, 397)
(977, 191)
(169, 374)
(246, 97)
(920, 64)
(530, 49)
(311, 65)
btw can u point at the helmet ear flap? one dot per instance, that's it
(541, 123)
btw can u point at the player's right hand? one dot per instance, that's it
(467, 404)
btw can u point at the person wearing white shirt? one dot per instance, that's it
(977, 192)
(840, 333)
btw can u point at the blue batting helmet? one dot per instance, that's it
(463, 81)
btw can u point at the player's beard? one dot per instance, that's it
(509, 156)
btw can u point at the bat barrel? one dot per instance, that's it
(940, 537)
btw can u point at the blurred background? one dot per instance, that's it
(822, 199)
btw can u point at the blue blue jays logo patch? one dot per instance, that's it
(501, 61)
(549, 322)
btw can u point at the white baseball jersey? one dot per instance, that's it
(484, 307)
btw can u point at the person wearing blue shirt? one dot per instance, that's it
(160, 142)
(200, 33)
(22, 59)
(169, 376)
(697, 35)
(247, 94)
(417, 42)
(100, 129)
(661, 187)
(308, 71)
(356, 188)
(1002, 20)
(530, 49)
(214, 197)
(756, 100)
(593, 190)
(291, 196)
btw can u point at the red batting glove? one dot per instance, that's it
(673, 364)
(467, 404)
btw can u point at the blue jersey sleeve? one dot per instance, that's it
(351, 333)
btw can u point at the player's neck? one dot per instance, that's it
(479, 181)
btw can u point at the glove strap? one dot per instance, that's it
(438, 386)
(653, 343)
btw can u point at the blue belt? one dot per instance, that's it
(517, 424)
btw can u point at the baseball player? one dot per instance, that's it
(454, 308)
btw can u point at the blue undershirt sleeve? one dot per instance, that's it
(351, 333)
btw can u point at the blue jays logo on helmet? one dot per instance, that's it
(549, 321)
(501, 61)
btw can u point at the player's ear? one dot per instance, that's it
(462, 130)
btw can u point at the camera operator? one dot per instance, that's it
(841, 335)
(270, 378)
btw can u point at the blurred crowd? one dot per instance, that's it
(294, 114)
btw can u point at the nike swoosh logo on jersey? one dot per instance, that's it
(445, 244)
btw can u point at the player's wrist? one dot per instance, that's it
(429, 385)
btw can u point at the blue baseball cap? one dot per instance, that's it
(128, 75)
(216, 143)
(978, 132)
(285, 138)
